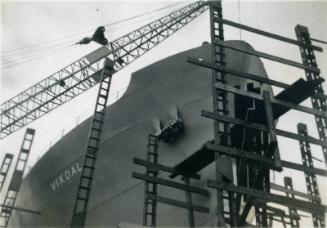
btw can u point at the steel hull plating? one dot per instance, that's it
(116, 197)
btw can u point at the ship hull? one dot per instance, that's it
(116, 197)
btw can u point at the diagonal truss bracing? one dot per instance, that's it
(84, 73)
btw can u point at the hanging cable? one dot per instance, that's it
(28, 48)
(239, 16)
(14, 63)
(16, 59)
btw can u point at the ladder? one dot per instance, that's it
(5, 166)
(85, 182)
(17, 177)
(83, 73)
(318, 103)
(150, 204)
(294, 217)
(221, 130)
(151, 179)
(310, 179)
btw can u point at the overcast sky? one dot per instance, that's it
(55, 25)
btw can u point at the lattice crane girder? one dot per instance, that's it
(84, 73)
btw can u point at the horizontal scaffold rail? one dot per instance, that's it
(169, 183)
(281, 188)
(164, 168)
(4, 207)
(268, 34)
(85, 73)
(233, 152)
(234, 72)
(270, 57)
(176, 203)
(261, 127)
(274, 101)
(306, 206)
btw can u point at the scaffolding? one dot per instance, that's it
(5, 166)
(258, 153)
(17, 178)
(151, 182)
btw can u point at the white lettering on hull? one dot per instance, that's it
(65, 176)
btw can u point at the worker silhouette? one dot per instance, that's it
(97, 37)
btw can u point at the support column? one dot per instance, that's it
(319, 100)
(221, 130)
(294, 219)
(310, 179)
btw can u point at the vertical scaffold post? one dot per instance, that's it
(17, 177)
(221, 129)
(310, 179)
(318, 102)
(85, 181)
(294, 220)
(150, 189)
(271, 129)
(5, 166)
(190, 202)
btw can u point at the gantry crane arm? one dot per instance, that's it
(84, 73)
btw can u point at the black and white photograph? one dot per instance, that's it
(163, 113)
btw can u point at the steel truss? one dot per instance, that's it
(85, 73)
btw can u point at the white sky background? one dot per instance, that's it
(28, 23)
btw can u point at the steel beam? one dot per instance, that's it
(273, 100)
(169, 183)
(271, 128)
(262, 127)
(270, 35)
(268, 197)
(281, 188)
(234, 72)
(177, 203)
(233, 152)
(270, 57)
(163, 168)
(20, 209)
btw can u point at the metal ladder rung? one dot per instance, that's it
(89, 167)
(94, 138)
(86, 177)
(86, 188)
(81, 198)
(99, 121)
(93, 148)
(103, 96)
(100, 113)
(96, 129)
